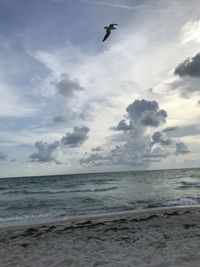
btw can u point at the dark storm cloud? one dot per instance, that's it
(189, 73)
(121, 126)
(153, 118)
(190, 67)
(136, 109)
(77, 137)
(142, 113)
(181, 148)
(45, 152)
(147, 112)
(158, 138)
(67, 86)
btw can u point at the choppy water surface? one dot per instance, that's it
(49, 198)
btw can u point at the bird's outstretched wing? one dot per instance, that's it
(106, 36)
(113, 24)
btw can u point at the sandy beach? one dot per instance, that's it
(158, 237)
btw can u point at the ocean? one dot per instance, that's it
(29, 200)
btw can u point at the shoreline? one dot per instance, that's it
(107, 216)
(159, 237)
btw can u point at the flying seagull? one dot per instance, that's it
(108, 30)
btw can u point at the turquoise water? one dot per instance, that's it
(28, 200)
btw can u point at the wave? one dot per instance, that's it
(189, 184)
(54, 191)
(56, 215)
(183, 201)
(3, 188)
(94, 190)
(25, 192)
(32, 217)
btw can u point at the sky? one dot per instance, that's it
(70, 103)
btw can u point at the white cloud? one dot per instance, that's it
(190, 32)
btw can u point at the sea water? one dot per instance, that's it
(28, 200)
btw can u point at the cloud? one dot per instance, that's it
(3, 156)
(113, 5)
(185, 130)
(190, 32)
(190, 67)
(66, 86)
(152, 118)
(93, 159)
(147, 112)
(77, 137)
(158, 138)
(170, 129)
(157, 152)
(99, 148)
(186, 86)
(46, 152)
(137, 144)
(59, 119)
(187, 77)
(181, 148)
(121, 126)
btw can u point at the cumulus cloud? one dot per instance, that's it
(147, 112)
(67, 86)
(190, 67)
(188, 74)
(156, 152)
(181, 148)
(77, 137)
(137, 148)
(45, 153)
(122, 126)
(158, 138)
(93, 159)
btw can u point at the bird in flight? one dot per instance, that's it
(108, 30)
